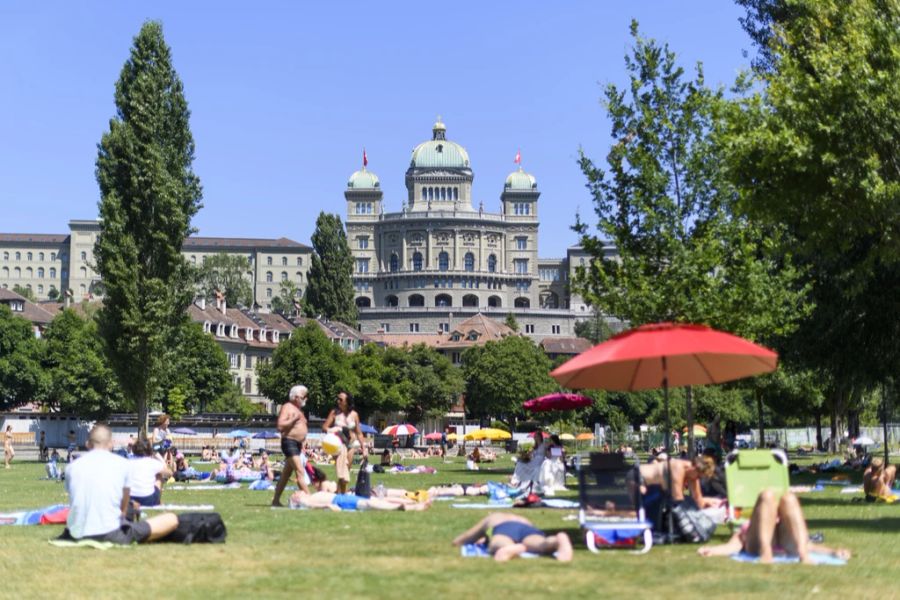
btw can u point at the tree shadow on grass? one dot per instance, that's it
(881, 525)
(806, 500)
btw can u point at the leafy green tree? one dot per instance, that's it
(233, 402)
(500, 376)
(82, 382)
(197, 368)
(814, 150)
(287, 302)
(666, 204)
(22, 379)
(434, 383)
(227, 274)
(307, 358)
(595, 329)
(149, 193)
(329, 292)
(53, 294)
(25, 292)
(511, 322)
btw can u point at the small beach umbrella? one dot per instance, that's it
(238, 433)
(581, 437)
(367, 429)
(184, 431)
(557, 401)
(489, 434)
(567, 437)
(404, 429)
(266, 435)
(433, 436)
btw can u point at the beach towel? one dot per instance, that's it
(855, 489)
(179, 507)
(228, 486)
(559, 503)
(47, 515)
(85, 544)
(483, 505)
(481, 551)
(818, 557)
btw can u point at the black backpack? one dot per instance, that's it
(198, 528)
(363, 481)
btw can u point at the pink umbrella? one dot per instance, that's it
(557, 401)
(405, 429)
(434, 436)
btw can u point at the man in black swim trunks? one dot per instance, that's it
(292, 426)
(508, 536)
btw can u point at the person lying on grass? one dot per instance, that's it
(878, 480)
(508, 536)
(775, 527)
(686, 474)
(339, 502)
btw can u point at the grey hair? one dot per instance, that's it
(298, 391)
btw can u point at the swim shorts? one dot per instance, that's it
(347, 501)
(290, 447)
(516, 531)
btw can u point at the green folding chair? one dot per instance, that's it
(747, 473)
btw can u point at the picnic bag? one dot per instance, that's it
(693, 524)
(363, 481)
(198, 528)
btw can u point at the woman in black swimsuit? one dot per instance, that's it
(508, 536)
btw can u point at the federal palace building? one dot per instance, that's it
(437, 261)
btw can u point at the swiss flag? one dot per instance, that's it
(518, 160)
(365, 158)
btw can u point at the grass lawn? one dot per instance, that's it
(284, 553)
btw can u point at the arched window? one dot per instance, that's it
(40, 272)
(299, 276)
(443, 261)
(443, 300)
(52, 272)
(84, 256)
(431, 193)
(83, 272)
(299, 261)
(30, 256)
(40, 289)
(41, 256)
(391, 301)
(424, 194)
(363, 302)
(470, 261)
(18, 256)
(494, 302)
(523, 302)
(443, 193)
(284, 275)
(417, 300)
(268, 260)
(193, 259)
(248, 384)
(5, 272)
(82, 289)
(456, 193)
(549, 300)
(17, 272)
(492, 263)
(395, 263)
(6, 256)
(29, 272)
(268, 292)
(470, 300)
(417, 261)
(284, 261)
(268, 276)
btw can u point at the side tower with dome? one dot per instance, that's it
(441, 258)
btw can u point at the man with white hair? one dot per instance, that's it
(293, 429)
(99, 493)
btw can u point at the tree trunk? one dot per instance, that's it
(832, 441)
(689, 395)
(819, 431)
(142, 416)
(884, 420)
(759, 412)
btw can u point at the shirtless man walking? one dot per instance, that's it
(292, 427)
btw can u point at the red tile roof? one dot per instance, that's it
(30, 311)
(565, 345)
(34, 238)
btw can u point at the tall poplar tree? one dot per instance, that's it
(149, 193)
(330, 289)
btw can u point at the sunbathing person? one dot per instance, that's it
(775, 527)
(508, 536)
(878, 480)
(339, 502)
(686, 474)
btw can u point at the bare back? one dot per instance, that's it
(292, 422)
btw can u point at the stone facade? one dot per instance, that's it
(440, 260)
(44, 262)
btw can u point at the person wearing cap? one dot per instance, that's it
(878, 481)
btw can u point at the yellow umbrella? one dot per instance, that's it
(489, 434)
(452, 436)
(584, 436)
(567, 436)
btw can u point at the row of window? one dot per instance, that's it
(445, 300)
(550, 274)
(29, 272)
(521, 208)
(233, 331)
(440, 193)
(443, 282)
(284, 260)
(40, 255)
(284, 276)
(443, 261)
(365, 208)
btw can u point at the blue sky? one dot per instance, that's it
(285, 95)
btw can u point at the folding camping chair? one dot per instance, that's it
(611, 511)
(749, 472)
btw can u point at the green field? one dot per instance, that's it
(285, 553)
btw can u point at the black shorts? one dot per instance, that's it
(290, 447)
(128, 533)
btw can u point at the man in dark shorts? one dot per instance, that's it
(508, 536)
(99, 495)
(292, 426)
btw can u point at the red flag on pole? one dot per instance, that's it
(365, 159)
(518, 157)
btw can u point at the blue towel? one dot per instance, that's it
(488, 505)
(481, 551)
(559, 503)
(818, 558)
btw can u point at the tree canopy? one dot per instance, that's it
(149, 193)
(329, 291)
(22, 378)
(227, 274)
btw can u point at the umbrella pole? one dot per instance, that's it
(690, 421)
(670, 526)
(884, 415)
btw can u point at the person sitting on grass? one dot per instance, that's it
(146, 475)
(386, 458)
(339, 502)
(878, 480)
(508, 536)
(99, 496)
(686, 474)
(775, 527)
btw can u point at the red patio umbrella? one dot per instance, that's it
(433, 436)
(664, 355)
(557, 401)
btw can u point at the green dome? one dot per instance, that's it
(363, 180)
(520, 180)
(439, 152)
